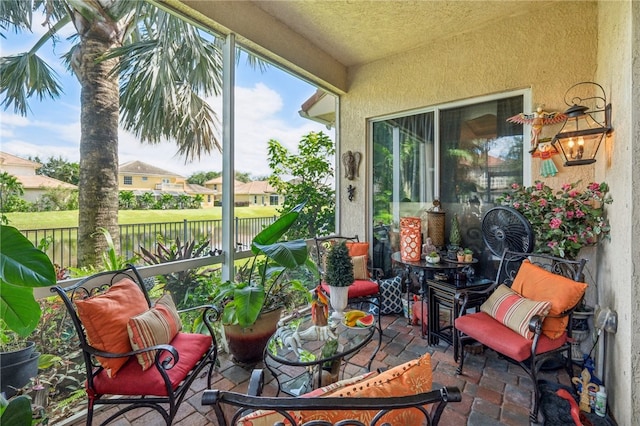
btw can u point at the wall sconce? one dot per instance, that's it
(588, 121)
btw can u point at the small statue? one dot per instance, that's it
(428, 247)
(584, 387)
(319, 307)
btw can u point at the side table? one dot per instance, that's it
(309, 354)
(442, 294)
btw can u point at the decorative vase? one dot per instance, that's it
(410, 239)
(338, 298)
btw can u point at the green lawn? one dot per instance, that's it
(64, 219)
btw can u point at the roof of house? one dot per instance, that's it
(140, 168)
(218, 181)
(192, 188)
(255, 187)
(37, 182)
(12, 160)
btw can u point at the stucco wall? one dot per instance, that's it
(547, 52)
(618, 48)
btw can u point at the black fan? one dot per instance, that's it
(506, 228)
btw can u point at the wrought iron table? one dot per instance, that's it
(350, 340)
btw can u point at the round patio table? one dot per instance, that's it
(309, 353)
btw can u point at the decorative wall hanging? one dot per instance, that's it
(537, 120)
(351, 161)
(545, 152)
(351, 192)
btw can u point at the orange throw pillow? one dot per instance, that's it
(410, 378)
(358, 248)
(105, 317)
(536, 283)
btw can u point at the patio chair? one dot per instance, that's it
(527, 313)
(402, 395)
(135, 354)
(365, 289)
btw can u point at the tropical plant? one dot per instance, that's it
(312, 173)
(565, 220)
(11, 192)
(126, 200)
(132, 72)
(260, 285)
(339, 271)
(180, 284)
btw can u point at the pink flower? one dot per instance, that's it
(594, 186)
(573, 238)
(579, 213)
(555, 223)
(539, 186)
(570, 214)
(543, 202)
(515, 186)
(552, 244)
(516, 205)
(557, 210)
(573, 193)
(566, 187)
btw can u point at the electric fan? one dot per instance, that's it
(506, 228)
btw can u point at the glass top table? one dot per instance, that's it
(283, 348)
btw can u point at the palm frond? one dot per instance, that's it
(24, 75)
(16, 15)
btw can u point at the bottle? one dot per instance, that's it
(601, 402)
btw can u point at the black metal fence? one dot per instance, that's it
(61, 244)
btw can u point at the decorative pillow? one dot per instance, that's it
(157, 326)
(105, 317)
(360, 271)
(537, 283)
(358, 248)
(391, 292)
(410, 378)
(270, 417)
(513, 310)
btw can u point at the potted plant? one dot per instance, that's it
(22, 267)
(468, 255)
(252, 303)
(433, 257)
(455, 239)
(339, 276)
(460, 255)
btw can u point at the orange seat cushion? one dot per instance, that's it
(536, 283)
(359, 288)
(131, 380)
(490, 332)
(105, 317)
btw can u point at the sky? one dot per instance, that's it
(267, 105)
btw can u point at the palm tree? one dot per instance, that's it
(135, 63)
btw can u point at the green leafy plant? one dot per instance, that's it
(339, 267)
(180, 284)
(565, 220)
(260, 285)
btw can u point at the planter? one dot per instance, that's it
(246, 344)
(14, 357)
(338, 298)
(16, 375)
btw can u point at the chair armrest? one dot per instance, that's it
(462, 296)
(210, 314)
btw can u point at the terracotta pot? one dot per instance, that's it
(247, 344)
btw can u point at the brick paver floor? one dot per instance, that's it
(494, 392)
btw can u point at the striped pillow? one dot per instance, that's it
(513, 310)
(360, 271)
(157, 326)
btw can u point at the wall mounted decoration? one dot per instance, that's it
(351, 161)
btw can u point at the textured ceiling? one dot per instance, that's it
(358, 31)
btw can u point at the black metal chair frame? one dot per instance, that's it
(376, 275)
(254, 401)
(509, 266)
(166, 356)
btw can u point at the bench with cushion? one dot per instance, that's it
(399, 396)
(135, 353)
(527, 313)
